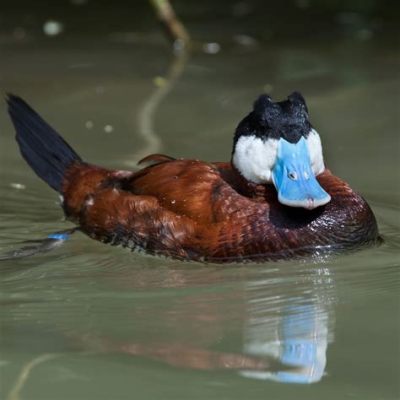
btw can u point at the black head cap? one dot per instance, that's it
(287, 119)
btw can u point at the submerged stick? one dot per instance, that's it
(145, 118)
(174, 27)
(181, 40)
(25, 372)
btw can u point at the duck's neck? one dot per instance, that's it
(243, 186)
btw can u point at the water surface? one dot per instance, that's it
(89, 321)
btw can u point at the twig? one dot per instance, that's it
(181, 39)
(174, 27)
(24, 374)
(146, 114)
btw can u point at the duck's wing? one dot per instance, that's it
(168, 208)
(105, 208)
(190, 188)
(154, 159)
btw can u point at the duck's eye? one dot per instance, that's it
(292, 175)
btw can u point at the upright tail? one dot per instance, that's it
(42, 147)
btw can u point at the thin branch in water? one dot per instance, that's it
(181, 41)
(25, 372)
(145, 118)
(174, 27)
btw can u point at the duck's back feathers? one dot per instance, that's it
(195, 210)
(106, 207)
(154, 159)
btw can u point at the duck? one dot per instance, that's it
(274, 200)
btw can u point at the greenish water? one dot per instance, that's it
(89, 321)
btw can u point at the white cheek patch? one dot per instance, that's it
(315, 151)
(254, 158)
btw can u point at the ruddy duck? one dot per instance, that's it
(274, 200)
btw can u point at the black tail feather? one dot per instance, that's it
(42, 147)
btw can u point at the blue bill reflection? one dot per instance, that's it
(296, 333)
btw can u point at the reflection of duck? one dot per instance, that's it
(271, 327)
(219, 212)
(297, 331)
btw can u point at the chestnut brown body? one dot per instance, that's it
(195, 210)
(206, 211)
